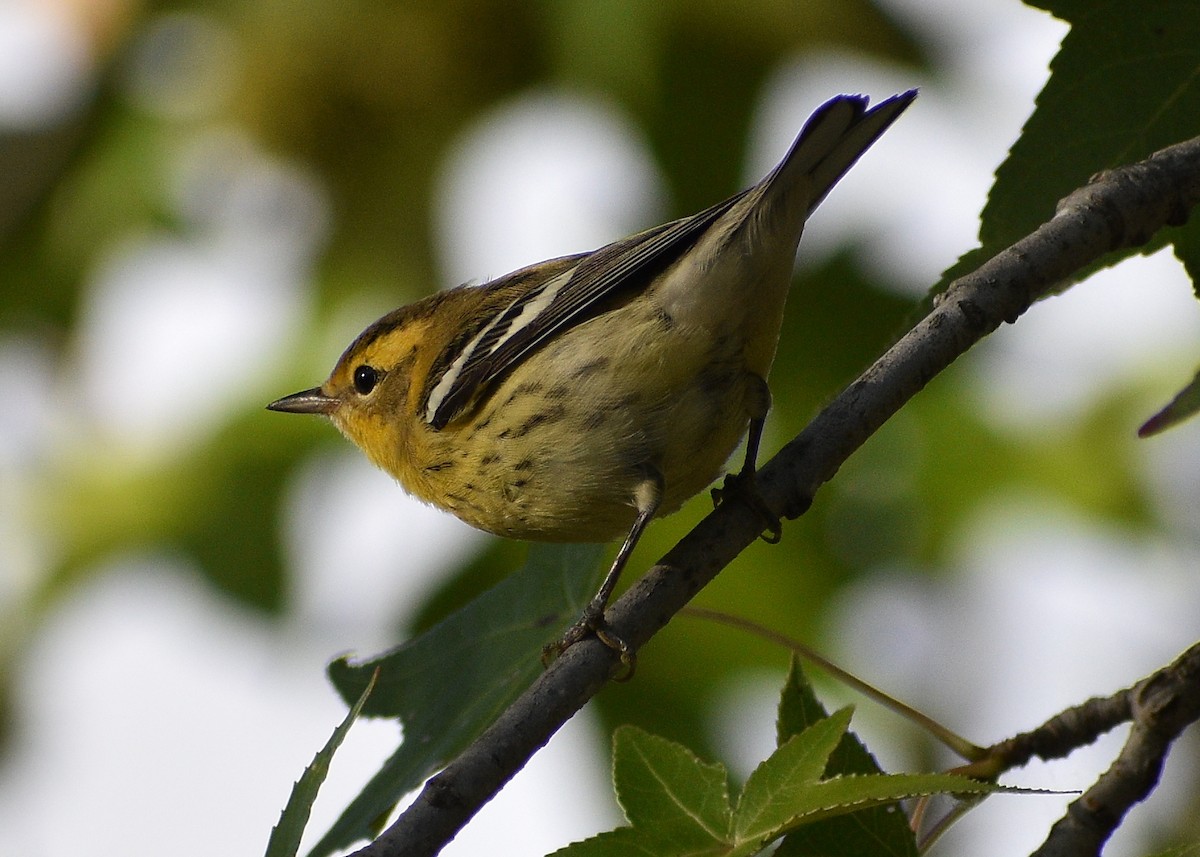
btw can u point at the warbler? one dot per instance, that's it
(576, 399)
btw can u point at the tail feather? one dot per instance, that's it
(835, 136)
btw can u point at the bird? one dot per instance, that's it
(576, 399)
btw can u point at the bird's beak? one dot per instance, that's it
(305, 402)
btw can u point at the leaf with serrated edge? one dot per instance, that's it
(878, 829)
(1123, 85)
(842, 795)
(622, 842)
(286, 835)
(491, 651)
(792, 769)
(662, 786)
(679, 806)
(799, 707)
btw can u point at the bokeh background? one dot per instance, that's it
(202, 203)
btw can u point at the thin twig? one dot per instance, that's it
(1161, 707)
(952, 740)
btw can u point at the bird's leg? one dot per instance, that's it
(743, 483)
(647, 498)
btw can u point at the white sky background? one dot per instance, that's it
(152, 711)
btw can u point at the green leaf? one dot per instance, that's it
(841, 795)
(448, 684)
(1183, 406)
(882, 830)
(678, 805)
(784, 794)
(799, 707)
(791, 770)
(662, 786)
(286, 835)
(1123, 85)
(622, 842)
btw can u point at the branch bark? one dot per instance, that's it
(1118, 209)
(1160, 707)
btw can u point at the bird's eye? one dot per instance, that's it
(365, 379)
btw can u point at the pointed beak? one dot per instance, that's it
(305, 402)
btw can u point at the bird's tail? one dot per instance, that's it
(833, 138)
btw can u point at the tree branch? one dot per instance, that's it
(1118, 209)
(1161, 707)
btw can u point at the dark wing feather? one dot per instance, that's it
(631, 263)
(832, 139)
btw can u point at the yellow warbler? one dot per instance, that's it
(575, 399)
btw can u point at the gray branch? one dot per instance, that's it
(1117, 209)
(1160, 707)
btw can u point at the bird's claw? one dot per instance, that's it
(593, 622)
(745, 485)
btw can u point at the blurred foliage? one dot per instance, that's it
(368, 97)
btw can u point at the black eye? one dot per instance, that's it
(365, 379)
